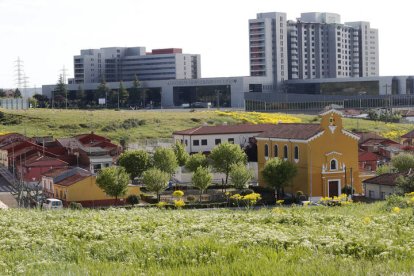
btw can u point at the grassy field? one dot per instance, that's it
(134, 125)
(349, 240)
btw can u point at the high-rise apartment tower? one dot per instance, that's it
(316, 45)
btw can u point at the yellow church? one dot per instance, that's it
(325, 154)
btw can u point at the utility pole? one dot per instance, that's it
(19, 73)
(64, 74)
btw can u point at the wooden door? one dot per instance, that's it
(333, 188)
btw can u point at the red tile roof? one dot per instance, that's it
(225, 129)
(408, 135)
(387, 179)
(36, 158)
(367, 156)
(292, 131)
(56, 171)
(72, 179)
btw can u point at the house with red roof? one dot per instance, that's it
(369, 161)
(90, 151)
(408, 138)
(32, 168)
(381, 186)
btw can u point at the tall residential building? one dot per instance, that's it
(123, 64)
(268, 46)
(316, 45)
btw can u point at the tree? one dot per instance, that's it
(240, 176)
(384, 169)
(405, 183)
(113, 181)
(278, 173)
(101, 92)
(201, 179)
(33, 102)
(122, 95)
(135, 162)
(134, 95)
(156, 181)
(17, 93)
(41, 100)
(60, 93)
(225, 155)
(2, 93)
(180, 153)
(165, 160)
(195, 161)
(403, 162)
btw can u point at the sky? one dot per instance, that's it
(46, 34)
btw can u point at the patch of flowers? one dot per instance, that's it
(341, 200)
(248, 200)
(260, 118)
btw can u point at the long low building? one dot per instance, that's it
(219, 92)
(258, 93)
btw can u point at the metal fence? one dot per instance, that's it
(12, 103)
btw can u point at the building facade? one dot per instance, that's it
(205, 138)
(316, 45)
(325, 154)
(116, 64)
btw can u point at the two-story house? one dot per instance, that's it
(325, 154)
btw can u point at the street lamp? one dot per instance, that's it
(218, 97)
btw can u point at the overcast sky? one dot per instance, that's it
(46, 34)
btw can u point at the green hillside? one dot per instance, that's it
(135, 125)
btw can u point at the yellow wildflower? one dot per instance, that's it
(179, 203)
(178, 193)
(396, 210)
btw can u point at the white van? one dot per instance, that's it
(52, 203)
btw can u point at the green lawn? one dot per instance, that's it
(349, 240)
(135, 125)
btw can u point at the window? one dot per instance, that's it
(371, 194)
(296, 152)
(285, 152)
(204, 142)
(334, 165)
(196, 142)
(217, 141)
(266, 150)
(275, 151)
(382, 195)
(231, 140)
(186, 142)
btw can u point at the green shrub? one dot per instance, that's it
(75, 206)
(132, 199)
(191, 198)
(396, 201)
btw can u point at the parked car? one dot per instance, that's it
(52, 203)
